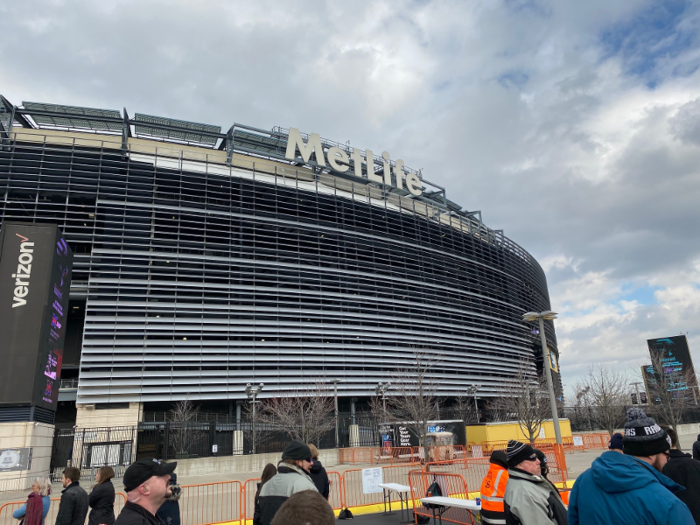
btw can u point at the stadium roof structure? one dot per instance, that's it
(240, 138)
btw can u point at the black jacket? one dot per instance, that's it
(169, 512)
(73, 507)
(696, 449)
(133, 514)
(685, 471)
(320, 478)
(102, 504)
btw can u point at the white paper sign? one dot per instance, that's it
(578, 441)
(477, 452)
(541, 432)
(214, 449)
(371, 478)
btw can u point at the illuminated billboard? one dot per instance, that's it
(674, 355)
(35, 274)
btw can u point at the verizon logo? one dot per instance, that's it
(24, 271)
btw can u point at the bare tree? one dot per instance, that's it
(184, 434)
(525, 399)
(414, 401)
(305, 415)
(671, 393)
(465, 409)
(606, 391)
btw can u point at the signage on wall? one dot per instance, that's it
(339, 161)
(35, 275)
(12, 459)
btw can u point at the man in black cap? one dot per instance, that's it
(630, 488)
(529, 498)
(292, 477)
(147, 486)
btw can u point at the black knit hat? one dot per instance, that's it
(643, 436)
(297, 450)
(615, 442)
(519, 452)
(499, 457)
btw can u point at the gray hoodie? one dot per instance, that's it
(532, 500)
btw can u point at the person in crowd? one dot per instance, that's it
(630, 488)
(147, 487)
(268, 472)
(685, 471)
(696, 449)
(615, 443)
(292, 477)
(305, 508)
(318, 474)
(102, 498)
(530, 499)
(38, 503)
(73, 507)
(169, 512)
(493, 488)
(542, 458)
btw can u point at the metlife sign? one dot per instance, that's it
(339, 161)
(35, 273)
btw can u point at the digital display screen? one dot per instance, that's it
(35, 271)
(677, 364)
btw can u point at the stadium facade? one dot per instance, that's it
(205, 260)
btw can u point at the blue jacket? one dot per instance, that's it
(20, 512)
(623, 489)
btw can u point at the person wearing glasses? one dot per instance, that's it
(530, 499)
(630, 488)
(292, 477)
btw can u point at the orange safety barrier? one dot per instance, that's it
(7, 509)
(212, 502)
(352, 484)
(473, 470)
(451, 486)
(379, 455)
(335, 497)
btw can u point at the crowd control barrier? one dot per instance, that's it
(211, 503)
(423, 483)
(380, 455)
(352, 484)
(7, 509)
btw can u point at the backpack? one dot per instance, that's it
(345, 514)
(433, 490)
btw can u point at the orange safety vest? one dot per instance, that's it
(493, 489)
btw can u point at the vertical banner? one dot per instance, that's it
(35, 274)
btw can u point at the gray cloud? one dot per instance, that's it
(519, 108)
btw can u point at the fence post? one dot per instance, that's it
(166, 440)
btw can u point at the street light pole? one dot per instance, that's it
(636, 391)
(550, 316)
(252, 393)
(381, 389)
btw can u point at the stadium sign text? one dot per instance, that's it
(24, 271)
(339, 161)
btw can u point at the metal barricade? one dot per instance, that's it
(423, 483)
(336, 496)
(473, 470)
(211, 503)
(250, 487)
(352, 484)
(7, 509)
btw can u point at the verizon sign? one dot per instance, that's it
(35, 275)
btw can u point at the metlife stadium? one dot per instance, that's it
(205, 260)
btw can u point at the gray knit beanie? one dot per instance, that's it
(643, 436)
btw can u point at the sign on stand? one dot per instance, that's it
(371, 478)
(578, 441)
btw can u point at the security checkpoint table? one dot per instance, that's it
(469, 504)
(388, 488)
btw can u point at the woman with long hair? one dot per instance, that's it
(268, 472)
(318, 474)
(37, 507)
(102, 498)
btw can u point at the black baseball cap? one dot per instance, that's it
(144, 469)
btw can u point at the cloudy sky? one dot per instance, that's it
(574, 126)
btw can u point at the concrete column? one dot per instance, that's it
(354, 435)
(38, 437)
(237, 442)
